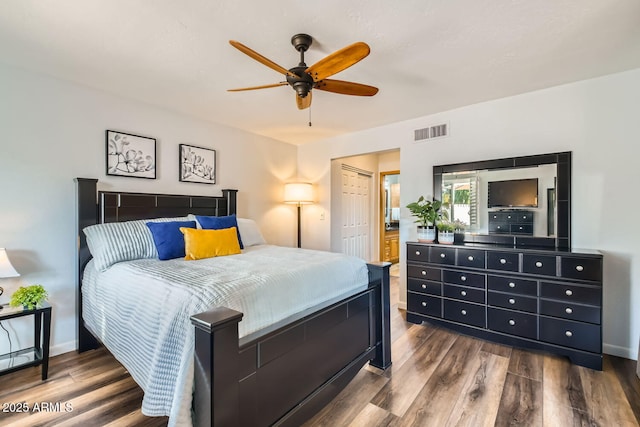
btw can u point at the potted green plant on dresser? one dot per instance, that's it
(445, 232)
(426, 213)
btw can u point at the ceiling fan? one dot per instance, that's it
(303, 78)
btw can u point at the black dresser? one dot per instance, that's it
(531, 298)
(513, 221)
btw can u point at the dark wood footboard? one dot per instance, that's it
(284, 375)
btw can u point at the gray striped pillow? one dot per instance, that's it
(122, 241)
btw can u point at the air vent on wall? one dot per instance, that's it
(437, 131)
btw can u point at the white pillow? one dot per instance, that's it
(114, 242)
(250, 233)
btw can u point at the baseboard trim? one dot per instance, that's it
(64, 347)
(616, 350)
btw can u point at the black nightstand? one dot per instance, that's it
(39, 353)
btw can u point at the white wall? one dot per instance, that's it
(53, 131)
(595, 119)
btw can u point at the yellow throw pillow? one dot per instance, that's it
(199, 244)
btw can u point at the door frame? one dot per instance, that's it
(382, 230)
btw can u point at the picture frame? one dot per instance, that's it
(197, 164)
(130, 155)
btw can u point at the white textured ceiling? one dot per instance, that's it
(426, 55)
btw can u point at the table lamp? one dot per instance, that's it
(298, 193)
(6, 269)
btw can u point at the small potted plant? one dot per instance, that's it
(445, 232)
(426, 212)
(28, 297)
(458, 232)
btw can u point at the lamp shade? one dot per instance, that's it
(6, 269)
(298, 192)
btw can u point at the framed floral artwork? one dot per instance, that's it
(130, 155)
(197, 164)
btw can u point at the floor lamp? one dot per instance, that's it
(298, 193)
(6, 269)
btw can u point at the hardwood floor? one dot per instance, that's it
(438, 378)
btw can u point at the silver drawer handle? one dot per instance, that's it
(512, 322)
(538, 264)
(579, 267)
(417, 252)
(498, 227)
(464, 312)
(424, 286)
(423, 272)
(442, 255)
(524, 217)
(512, 301)
(569, 333)
(470, 258)
(520, 228)
(512, 285)
(568, 292)
(463, 278)
(568, 310)
(503, 261)
(424, 304)
(509, 216)
(463, 293)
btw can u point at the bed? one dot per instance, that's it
(278, 373)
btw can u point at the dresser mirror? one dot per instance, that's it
(518, 200)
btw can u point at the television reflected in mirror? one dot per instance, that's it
(513, 193)
(520, 200)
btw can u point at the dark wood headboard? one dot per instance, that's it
(98, 207)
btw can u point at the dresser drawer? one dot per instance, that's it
(583, 336)
(471, 258)
(522, 217)
(571, 293)
(418, 253)
(424, 273)
(464, 278)
(513, 302)
(539, 264)
(424, 304)
(463, 312)
(424, 286)
(513, 323)
(512, 285)
(499, 216)
(571, 311)
(505, 261)
(521, 229)
(581, 268)
(440, 255)
(464, 293)
(498, 227)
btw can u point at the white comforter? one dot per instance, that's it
(141, 309)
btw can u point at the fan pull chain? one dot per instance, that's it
(309, 116)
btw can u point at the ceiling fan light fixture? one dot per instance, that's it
(303, 79)
(302, 88)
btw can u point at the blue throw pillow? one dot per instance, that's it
(168, 239)
(219, 223)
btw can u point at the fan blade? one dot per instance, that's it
(303, 102)
(346, 88)
(338, 61)
(258, 87)
(261, 59)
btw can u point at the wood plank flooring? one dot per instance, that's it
(438, 378)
